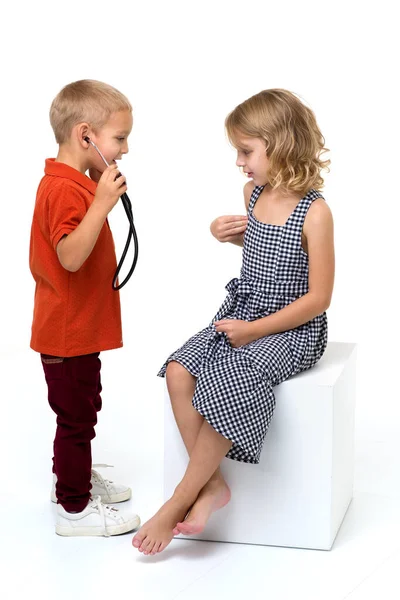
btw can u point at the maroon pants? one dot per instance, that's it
(74, 395)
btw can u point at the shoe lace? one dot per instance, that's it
(103, 510)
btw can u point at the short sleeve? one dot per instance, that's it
(66, 209)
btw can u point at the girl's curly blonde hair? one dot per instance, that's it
(294, 142)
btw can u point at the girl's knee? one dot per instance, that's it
(176, 373)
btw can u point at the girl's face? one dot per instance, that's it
(252, 158)
(112, 139)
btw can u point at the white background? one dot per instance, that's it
(184, 66)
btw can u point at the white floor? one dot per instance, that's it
(364, 562)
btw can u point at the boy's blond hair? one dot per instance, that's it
(87, 101)
(293, 139)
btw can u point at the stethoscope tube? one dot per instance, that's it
(126, 203)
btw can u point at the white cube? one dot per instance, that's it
(298, 494)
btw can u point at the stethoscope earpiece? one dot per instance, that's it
(89, 141)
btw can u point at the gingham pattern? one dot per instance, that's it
(234, 385)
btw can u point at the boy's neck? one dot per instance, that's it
(66, 156)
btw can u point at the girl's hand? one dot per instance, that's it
(228, 227)
(239, 332)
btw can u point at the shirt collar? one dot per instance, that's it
(59, 169)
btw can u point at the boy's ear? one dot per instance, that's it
(82, 131)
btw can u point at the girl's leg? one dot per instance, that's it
(215, 494)
(181, 385)
(207, 453)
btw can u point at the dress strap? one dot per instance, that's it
(296, 219)
(254, 197)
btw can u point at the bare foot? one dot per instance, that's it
(214, 495)
(156, 534)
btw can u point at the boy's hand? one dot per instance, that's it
(239, 333)
(228, 227)
(111, 185)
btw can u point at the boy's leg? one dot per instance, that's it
(207, 453)
(74, 395)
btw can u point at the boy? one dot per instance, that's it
(76, 311)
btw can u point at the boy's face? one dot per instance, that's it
(112, 138)
(252, 157)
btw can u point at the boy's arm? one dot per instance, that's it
(231, 228)
(73, 249)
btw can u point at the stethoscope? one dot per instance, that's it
(131, 233)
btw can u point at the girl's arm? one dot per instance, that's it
(231, 228)
(318, 232)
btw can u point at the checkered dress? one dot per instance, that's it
(234, 385)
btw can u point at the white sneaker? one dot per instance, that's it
(107, 490)
(96, 519)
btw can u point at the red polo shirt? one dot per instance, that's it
(74, 313)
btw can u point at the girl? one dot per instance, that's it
(272, 323)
